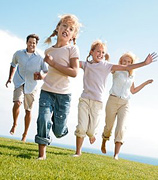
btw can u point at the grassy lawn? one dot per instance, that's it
(18, 161)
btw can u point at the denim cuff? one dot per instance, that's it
(41, 140)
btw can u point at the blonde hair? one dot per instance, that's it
(130, 55)
(94, 45)
(69, 19)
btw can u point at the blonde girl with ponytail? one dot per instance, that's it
(96, 70)
(63, 62)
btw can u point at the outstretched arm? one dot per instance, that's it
(141, 86)
(11, 74)
(71, 70)
(149, 59)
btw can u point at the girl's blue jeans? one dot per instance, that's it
(53, 112)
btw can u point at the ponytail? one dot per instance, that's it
(107, 56)
(74, 41)
(87, 59)
(48, 40)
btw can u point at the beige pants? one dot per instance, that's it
(89, 114)
(27, 99)
(116, 107)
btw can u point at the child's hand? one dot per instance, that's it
(149, 81)
(49, 59)
(151, 58)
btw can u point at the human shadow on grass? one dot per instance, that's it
(59, 153)
(17, 148)
(27, 153)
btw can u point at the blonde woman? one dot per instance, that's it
(118, 102)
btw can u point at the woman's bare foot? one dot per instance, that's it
(103, 146)
(92, 139)
(12, 131)
(116, 157)
(23, 138)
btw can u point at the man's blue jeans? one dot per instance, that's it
(53, 112)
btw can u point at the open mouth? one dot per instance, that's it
(99, 57)
(64, 34)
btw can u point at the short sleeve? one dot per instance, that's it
(14, 60)
(74, 52)
(108, 66)
(82, 64)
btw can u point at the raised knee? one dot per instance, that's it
(60, 133)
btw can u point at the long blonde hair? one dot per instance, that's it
(94, 45)
(133, 58)
(69, 19)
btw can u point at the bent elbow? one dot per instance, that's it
(133, 92)
(74, 75)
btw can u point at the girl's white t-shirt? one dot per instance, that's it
(94, 80)
(55, 81)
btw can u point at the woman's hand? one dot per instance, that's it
(149, 81)
(151, 58)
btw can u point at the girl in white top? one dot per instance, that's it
(90, 105)
(118, 104)
(55, 97)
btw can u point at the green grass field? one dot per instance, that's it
(18, 161)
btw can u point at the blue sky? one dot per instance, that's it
(123, 24)
(129, 25)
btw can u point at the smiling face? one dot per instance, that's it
(98, 53)
(126, 60)
(31, 45)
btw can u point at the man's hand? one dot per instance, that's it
(37, 76)
(9, 81)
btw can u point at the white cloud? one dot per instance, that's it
(8, 45)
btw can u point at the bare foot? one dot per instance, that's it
(92, 140)
(12, 131)
(76, 155)
(41, 158)
(103, 147)
(116, 157)
(23, 138)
